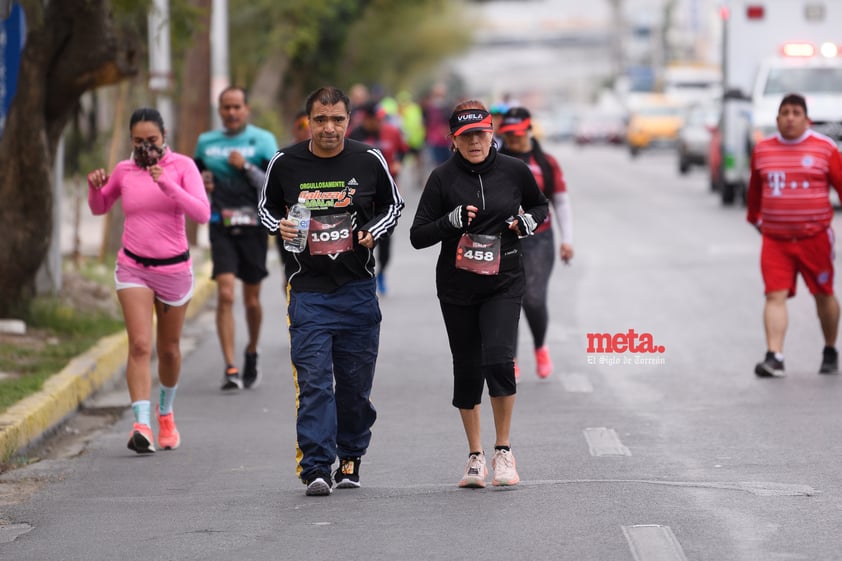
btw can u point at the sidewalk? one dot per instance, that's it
(27, 422)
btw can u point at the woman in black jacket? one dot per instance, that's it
(478, 204)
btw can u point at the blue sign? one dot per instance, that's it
(12, 36)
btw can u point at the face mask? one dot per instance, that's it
(147, 154)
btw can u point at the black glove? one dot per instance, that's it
(459, 217)
(525, 224)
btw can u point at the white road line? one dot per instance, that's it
(576, 383)
(605, 442)
(652, 542)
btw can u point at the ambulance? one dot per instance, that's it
(772, 48)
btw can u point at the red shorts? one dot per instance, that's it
(782, 260)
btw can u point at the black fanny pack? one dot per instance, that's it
(152, 262)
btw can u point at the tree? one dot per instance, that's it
(287, 49)
(284, 50)
(71, 46)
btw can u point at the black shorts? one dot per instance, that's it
(241, 251)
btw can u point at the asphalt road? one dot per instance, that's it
(623, 456)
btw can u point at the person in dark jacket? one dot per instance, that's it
(333, 312)
(478, 205)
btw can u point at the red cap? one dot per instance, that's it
(515, 122)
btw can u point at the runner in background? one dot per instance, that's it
(376, 131)
(788, 201)
(233, 161)
(412, 125)
(359, 96)
(538, 249)
(436, 111)
(497, 111)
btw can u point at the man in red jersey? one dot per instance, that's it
(788, 201)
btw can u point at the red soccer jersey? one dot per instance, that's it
(788, 193)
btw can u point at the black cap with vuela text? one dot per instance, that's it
(470, 120)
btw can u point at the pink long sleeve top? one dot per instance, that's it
(155, 212)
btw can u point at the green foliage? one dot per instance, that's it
(398, 44)
(57, 331)
(64, 334)
(184, 20)
(308, 31)
(345, 41)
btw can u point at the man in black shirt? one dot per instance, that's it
(334, 315)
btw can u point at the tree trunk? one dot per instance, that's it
(71, 47)
(194, 105)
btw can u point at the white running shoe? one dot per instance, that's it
(475, 472)
(503, 464)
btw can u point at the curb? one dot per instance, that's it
(26, 422)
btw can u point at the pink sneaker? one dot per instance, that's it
(543, 362)
(141, 439)
(168, 437)
(505, 472)
(475, 472)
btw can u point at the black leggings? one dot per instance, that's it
(482, 341)
(538, 260)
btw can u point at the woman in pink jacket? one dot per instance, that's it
(158, 189)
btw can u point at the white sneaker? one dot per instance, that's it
(503, 464)
(475, 472)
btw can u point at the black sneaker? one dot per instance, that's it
(770, 367)
(347, 475)
(318, 485)
(251, 374)
(830, 361)
(231, 379)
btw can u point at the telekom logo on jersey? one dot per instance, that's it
(777, 183)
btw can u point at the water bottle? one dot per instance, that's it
(300, 214)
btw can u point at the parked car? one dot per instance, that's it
(554, 126)
(600, 127)
(653, 124)
(694, 136)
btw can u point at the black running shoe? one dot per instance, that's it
(830, 361)
(347, 475)
(318, 485)
(231, 379)
(251, 374)
(770, 367)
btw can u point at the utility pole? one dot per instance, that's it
(618, 28)
(219, 56)
(160, 62)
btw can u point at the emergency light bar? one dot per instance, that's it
(798, 49)
(829, 50)
(807, 50)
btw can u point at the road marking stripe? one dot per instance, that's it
(653, 542)
(576, 383)
(605, 442)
